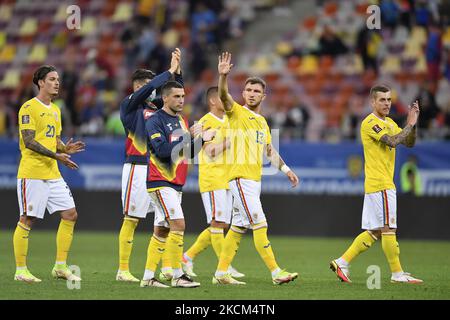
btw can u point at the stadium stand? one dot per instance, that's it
(318, 72)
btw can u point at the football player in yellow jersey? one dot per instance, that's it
(39, 182)
(213, 183)
(250, 139)
(380, 135)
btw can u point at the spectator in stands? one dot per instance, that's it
(367, 44)
(330, 43)
(433, 52)
(429, 109)
(390, 12)
(69, 83)
(423, 15)
(297, 120)
(204, 22)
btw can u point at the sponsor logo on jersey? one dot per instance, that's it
(376, 128)
(147, 114)
(26, 119)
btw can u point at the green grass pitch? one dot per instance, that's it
(96, 253)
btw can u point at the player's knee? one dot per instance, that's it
(387, 229)
(177, 225)
(70, 215)
(26, 220)
(376, 234)
(217, 224)
(161, 232)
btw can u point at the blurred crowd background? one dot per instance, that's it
(319, 59)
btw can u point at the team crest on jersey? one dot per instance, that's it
(219, 213)
(30, 208)
(393, 220)
(56, 115)
(147, 114)
(26, 106)
(26, 119)
(376, 128)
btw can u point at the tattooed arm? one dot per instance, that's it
(410, 140)
(408, 134)
(29, 141)
(402, 137)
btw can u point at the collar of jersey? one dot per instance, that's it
(221, 120)
(45, 105)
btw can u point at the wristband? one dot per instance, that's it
(285, 169)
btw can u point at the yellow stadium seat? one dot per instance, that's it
(88, 25)
(309, 65)
(61, 14)
(446, 37)
(5, 12)
(37, 54)
(261, 65)
(412, 50)
(421, 65)
(418, 35)
(391, 64)
(2, 39)
(11, 79)
(7, 53)
(29, 27)
(124, 12)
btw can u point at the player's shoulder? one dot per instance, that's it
(206, 118)
(29, 105)
(55, 107)
(390, 120)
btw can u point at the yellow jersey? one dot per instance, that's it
(45, 120)
(379, 157)
(213, 173)
(249, 135)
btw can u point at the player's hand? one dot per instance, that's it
(74, 147)
(208, 134)
(413, 114)
(196, 129)
(292, 178)
(175, 61)
(64, 158)
(225, 65)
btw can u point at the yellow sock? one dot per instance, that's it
(20, 241)
(203, 241)
(126, 242)
(174, 248)
(262, 245)
(392, 251)
(166, 263)
(229, 248)
(64, 238)
(217, 240)
(361, 243)
(155, 250)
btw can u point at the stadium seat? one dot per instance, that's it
(446, 38)
(2, 39)
(123, 13)
(11, 79)
(38, 54)
(309, 65)
(390, 65)
(5, 12)
(7, 53)
(61, 14)
(29, 27)
(88, 25)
